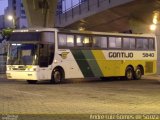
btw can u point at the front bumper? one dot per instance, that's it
(22, 75)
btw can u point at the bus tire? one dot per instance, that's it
(32, 81)
(57, 76)
(129, 73)
(138, 73)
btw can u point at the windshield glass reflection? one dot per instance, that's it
(23, 54)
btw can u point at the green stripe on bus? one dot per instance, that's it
(101, 60)
(92, 63)
(82, 63)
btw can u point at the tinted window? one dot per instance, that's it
(139, 44)
(83, 41)
(79, 41)
(47, 37)
(112, 42)
(128, 43)
(142, 43)
(132, 43)
(25, 36)
(100, 42)
(66, 40)
(104, 42)
(62, 40)
(32, 36)
(87, 42)
(145, 44)
(151, 44)
(70, 41)
(97, 42)
(115, 42)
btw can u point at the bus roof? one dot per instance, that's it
(35, 30)
(107, 33)
(82, 32)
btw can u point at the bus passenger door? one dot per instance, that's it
(46, 54)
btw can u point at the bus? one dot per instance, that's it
(58, 54)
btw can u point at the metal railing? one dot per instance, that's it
(63, 8)
(72, 9)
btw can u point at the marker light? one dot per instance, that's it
(153, 27)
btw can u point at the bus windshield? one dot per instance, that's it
(37, 48)
(23, 54)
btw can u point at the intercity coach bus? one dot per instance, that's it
(58, 54)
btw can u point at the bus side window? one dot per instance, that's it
(126, 43)
(145, 44)
(62, 40)
(129, 43)
(99, 42)
(151, 44)
(96, 42)
(48, 37)
(112, 42)
(79, 41)
(66, 40)
(70, 40)
(115, 42)
(104, 42)
(132, 43)
(87, 42)
(139, 43)
(83, 41)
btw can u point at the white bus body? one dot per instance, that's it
(53, 54)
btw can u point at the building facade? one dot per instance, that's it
(2, 24)
(15, 8)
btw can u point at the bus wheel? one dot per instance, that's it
(57, 76)
(138, 73)
(129, 73)
(32, 81)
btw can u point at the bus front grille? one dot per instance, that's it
(149, 67)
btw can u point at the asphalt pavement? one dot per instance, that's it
(82, 98)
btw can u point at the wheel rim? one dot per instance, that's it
(138, 73)
(129, 74)
(57, 76)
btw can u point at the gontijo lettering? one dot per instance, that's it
(120, 55)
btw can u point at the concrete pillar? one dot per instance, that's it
(40, 13)
(157, 33)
